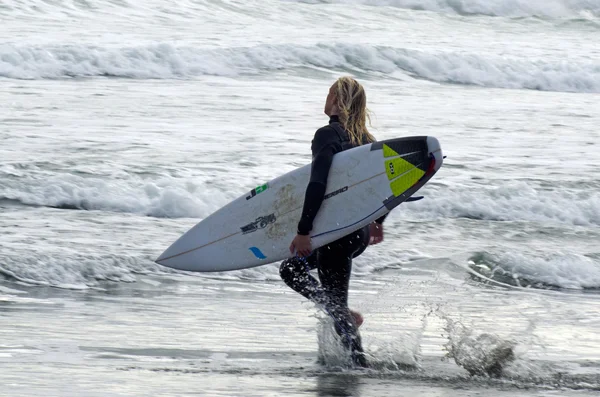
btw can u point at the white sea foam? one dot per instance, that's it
(162, 61)
(516, 201)
(62, 269)
(186, 9)
(504, 8)
(181, 197)
(558, 269)
(164, 197)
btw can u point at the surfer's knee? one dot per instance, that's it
(290, 269)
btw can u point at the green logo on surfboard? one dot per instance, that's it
(257, 190)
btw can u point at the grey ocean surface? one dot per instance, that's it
(124, 123)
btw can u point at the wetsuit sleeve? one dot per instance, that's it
(323, 148)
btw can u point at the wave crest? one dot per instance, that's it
(164, 197)
(165, 61)
(511, 202)
(559, 9)
(552, 270)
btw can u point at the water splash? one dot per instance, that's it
(403, 353)
(480, 353)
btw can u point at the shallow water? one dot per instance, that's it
(124, 124)
(177, 335)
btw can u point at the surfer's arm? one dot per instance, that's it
(324, 148)
(312, 202)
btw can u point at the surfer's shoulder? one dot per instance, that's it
(323, 136)
(327, 131)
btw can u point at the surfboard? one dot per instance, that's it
(364, 183)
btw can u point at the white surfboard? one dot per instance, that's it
(364, 184)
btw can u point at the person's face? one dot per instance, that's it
(330, 107)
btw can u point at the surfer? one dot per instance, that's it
(346, 106)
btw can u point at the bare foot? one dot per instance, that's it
(358, 318)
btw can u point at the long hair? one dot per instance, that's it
(353, 112)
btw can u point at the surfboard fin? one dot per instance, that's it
(414, 198)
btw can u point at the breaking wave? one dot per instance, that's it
(166, 61)
(562, 9)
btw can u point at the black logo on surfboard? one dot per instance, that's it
(342, 190)
(259, 223)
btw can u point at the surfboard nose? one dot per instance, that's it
(162, 257)
(173, 251)
(184, 253)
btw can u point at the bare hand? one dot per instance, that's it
(376, 232)
(301, 245)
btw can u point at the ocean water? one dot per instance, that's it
(124, 123)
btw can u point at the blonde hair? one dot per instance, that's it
(351, 102)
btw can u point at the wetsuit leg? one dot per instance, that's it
(295, 273)
(335, 266)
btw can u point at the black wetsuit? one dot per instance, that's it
(334, 261)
